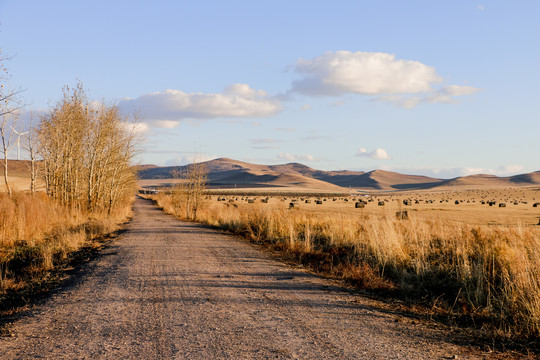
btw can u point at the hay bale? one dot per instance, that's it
(360, 205)
(502, 205)
(381, 203)
(402, 215)
(293, 205)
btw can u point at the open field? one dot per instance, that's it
(425, 206)
(19, 176)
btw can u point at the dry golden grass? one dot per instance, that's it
(468, 260)
(37, 234)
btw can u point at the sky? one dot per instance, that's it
(436, 88)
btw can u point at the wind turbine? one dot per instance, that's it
(18, 141)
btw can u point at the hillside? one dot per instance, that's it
(485, 180)
(229, 173)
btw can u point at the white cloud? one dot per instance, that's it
(378, 154)
(169, 107)
(137, 128)
(457, 90)
(188, 159)
(466, 171)
(449, 173)
(404, 83)
(481, 7)
(510, 169)
(367, 73)
(305, 107)
(265, 141)
(290, 157)
(444, 95)
(165, 124)
(401, 101)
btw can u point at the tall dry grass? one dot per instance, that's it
(488, 273)
(37, 234)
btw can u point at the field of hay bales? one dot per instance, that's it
(453, 252)
(472, 207)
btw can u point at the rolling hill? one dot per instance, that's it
(229, 173)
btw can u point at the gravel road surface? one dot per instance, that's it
(168, 289)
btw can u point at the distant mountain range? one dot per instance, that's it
(229, 173)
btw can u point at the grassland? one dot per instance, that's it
(474, 263)
(38, 236)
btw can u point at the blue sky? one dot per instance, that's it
(439, 88)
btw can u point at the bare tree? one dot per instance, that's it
(10, 101)
(32, 146)
(62, 133)
(6, 138)
(87, 150)
(189, 188)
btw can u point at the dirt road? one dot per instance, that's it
(167, 289)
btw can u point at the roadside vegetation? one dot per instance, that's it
(83, 153)
(187, 194)
(482, 275)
